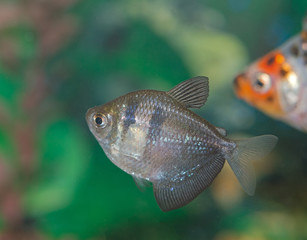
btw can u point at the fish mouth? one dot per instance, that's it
(89, 116)
(237, 84)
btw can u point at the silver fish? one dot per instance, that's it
(153, 136)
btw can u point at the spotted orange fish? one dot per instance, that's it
(277, 83)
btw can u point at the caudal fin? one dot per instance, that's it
(241, 160)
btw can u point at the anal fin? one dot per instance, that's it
(172, 195)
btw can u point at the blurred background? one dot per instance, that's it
(60, 57)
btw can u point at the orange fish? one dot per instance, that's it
(277, 83)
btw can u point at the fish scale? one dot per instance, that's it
(153, 136)
(162, 127)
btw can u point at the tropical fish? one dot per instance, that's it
(277, 83)
(153, 136)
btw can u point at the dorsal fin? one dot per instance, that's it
(192, 93)
(304, 25)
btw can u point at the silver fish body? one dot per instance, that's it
(153, 136)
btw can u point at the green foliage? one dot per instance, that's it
(10, 85)
(64, 160)
(6, 145)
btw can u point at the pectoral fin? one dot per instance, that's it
(192, 93)
(222, 131)
(141, 183)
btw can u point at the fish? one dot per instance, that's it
(276, 84)
(155, 137)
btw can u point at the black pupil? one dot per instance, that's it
(98, 120)
(259, 83)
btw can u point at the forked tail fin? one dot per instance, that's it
(241, 159)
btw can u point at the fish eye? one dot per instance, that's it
(262, 82)
(100, 120)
